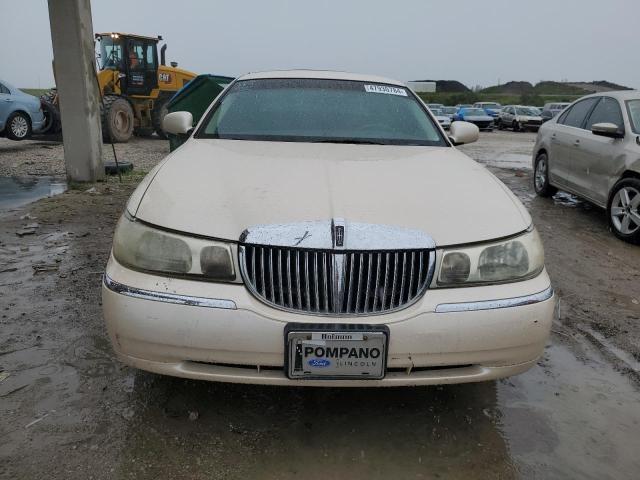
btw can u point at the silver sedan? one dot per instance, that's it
(593, 150)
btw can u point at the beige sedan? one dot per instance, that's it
(593, 150)
(320, 228)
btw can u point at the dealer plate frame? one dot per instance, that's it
(312, 328)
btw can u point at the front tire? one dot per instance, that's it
(541, 177)
(160, 110)
(18, 126)
(515, 126)
(117, 119)
(623, 210)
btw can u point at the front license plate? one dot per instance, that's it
(336, 353)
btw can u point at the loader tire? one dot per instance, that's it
(160, 110)
(117, 119)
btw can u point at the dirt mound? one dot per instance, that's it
(513, 87)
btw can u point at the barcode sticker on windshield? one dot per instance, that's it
(385, 89)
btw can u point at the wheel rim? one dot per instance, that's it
(541, 173)
(19, 126)
(625, 210)
(121, 121)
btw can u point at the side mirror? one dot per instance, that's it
(606, 129)
(463, 132)
(178, 123)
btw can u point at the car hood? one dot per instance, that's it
(218, 188)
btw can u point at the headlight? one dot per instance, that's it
(141, 247)
(509, 260)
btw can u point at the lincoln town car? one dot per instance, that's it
(322, 229)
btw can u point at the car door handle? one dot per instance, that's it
(576, 143)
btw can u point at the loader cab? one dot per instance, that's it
(134, 57)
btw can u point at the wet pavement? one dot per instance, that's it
(70, 410)
(19, 191)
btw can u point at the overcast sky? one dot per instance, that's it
(472, 41)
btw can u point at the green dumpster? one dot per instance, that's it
(195, 97)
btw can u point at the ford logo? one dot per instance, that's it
(319, 362)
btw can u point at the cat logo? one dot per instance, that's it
(165, 77)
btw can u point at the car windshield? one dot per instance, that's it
(492, 105)
(474, 112)
(319, 110)
(449, 110)
(633, 106)
(436, 111)
(525, 111)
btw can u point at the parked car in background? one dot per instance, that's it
(491, 108)
(546, 115)
(443, 120)
(20, 113)
(477, 116)
(450, 111)
(592, 150)
(463, 105)
(434, 105)
(309, 276)
(519, 118)
(555, 107)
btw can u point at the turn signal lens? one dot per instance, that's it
(456, 267)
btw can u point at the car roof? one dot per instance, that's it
(321, 74)
(619, 94)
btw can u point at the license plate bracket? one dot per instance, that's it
(331, 351)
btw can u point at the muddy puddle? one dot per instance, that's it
(571, 416)
(18, 191)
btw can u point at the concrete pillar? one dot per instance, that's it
(74, 60)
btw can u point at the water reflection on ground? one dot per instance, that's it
(18, 191)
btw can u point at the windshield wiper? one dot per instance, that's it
(350, 140)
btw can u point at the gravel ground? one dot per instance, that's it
(70, 410)
(39, 157)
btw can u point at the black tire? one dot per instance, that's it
(110, 168)
(515, 126)
(158, 113)
(18, 126)
(541, 183)
(51, 110)
(117, 119)
(499, 124)
(52, 123)
(143, 132)
(631, 212)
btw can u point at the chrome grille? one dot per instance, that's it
(339, 283)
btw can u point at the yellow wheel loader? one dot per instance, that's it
(135, 85)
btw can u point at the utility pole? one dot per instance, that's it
(74, 71)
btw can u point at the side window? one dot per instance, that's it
(4, 89)
(512, 110)
(576, 115)
(607, 111)
(150, 56)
